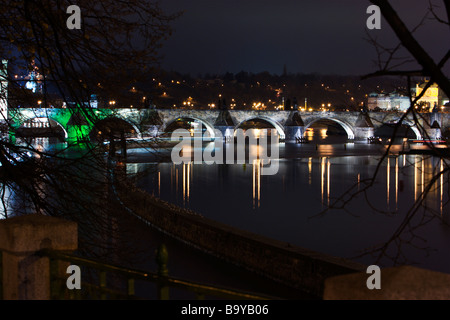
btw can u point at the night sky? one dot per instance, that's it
(322, 36)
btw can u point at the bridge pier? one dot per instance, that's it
(227, 133)
(364, 133)
(225, 124)
(294, 134)
(434, 131)
(432, 134)
(364, 128)
(78, 127)
(152, 130)
(78, 133)
(12, 137)
(294, 128)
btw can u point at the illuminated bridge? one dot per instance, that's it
(76, 124)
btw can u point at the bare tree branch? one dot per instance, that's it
(411, 44)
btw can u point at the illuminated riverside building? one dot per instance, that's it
(388, 102)
(433, 97)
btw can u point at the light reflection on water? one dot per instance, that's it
(395, 176)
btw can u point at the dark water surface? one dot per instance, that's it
(289, 206)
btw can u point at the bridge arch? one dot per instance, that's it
(117, 122)
(348, 128)
(274, 123)
(28, 121)
(409, 124)
(209, 127)
(414, 128)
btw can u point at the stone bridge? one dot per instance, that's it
(290, 125)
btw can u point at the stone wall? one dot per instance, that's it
(25, 275)
(291, 265)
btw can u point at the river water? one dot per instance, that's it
(302, 203)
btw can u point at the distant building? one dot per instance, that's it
(34, 78)
(93, 102)
(388, 102)
(433, 96)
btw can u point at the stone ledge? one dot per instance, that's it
(397, 283)
(30, 233)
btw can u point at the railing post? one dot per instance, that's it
(130, 288)
(26, 275)
(161, 259)
(102, 285)
(55, 292)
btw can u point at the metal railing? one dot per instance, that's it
(98, 289)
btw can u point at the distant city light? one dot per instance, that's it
(259, 106)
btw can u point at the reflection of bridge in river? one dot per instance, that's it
(290, 125)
